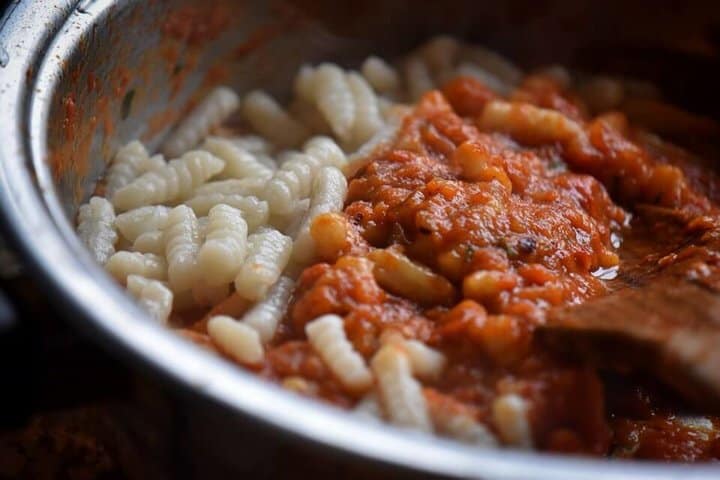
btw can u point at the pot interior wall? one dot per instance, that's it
(143, 64)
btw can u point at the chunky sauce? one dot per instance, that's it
(511, 222)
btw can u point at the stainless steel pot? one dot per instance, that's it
(77, 79)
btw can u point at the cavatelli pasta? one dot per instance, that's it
(367, 119)
(293, 181)
(150, 242)
(134, 223)
(268, 253)
(467, 69)
(510, 416)
(272, 121)
(493, 63)
(401, 395)
(380, 75)
(334, 98)
(96, 228)
(459, 424)
(209, 113)
(182, 241)
(239, 163)
(426, 363)
(130, 161)
(254, 144)
(327, 337)
(267, 313)
(236, 339)
(369, 407)
(221, 255)
(417, 78)
(173, 182)
(148, 265)
(233, 186)
(152, 295)
(255, 211)
(328, 195)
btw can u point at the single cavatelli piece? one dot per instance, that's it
(401, 395)
(334, 98)
(254, 144)
(367, 112)
(182, 241)
(131, 161)
(265, 315)
(418, 79)
(239, 163)
(510, 415)
(328, 195)
(148, 265)
(96, 228)
(134, 223)
(272, 121)
(268, 253)
(152, 295)
(236, 339)
(426, 363)
(175, 181)
(383, 77)
(232, 186)
(150, 242)
(327, 337)
(209, 113)
(222, 254)
(255, 211)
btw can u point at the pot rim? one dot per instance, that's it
(31, 35)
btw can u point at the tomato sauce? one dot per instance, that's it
(517, 225)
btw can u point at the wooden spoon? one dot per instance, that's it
(669, 327)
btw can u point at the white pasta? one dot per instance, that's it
(461, 426)
(221, 255)
(308, 114)
(96, 228)
(290, 223)
(510, 415)
(265, 315)
(483, 76)
(380, 75)
(209, 113)
(148, 265)
(182, 241)
(254, 144)
(150, 242)
(236, 339)
(293, 181)
(426, 363)
(233, 186)
(334, 98)
(152, 295)
(272, 121)
(417, 78)
(369, 407)
(268, 253)
(255, 211)
(173, 182)
(327, 337)
(304, 85)
(493, 63)
(239, 163)
(440, 53)
(134, 223)
(328, 195)
(401, 395)
(367, 119)
(130, 161)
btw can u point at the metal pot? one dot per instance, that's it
(78, 79)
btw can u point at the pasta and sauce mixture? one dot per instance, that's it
(391, 241)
